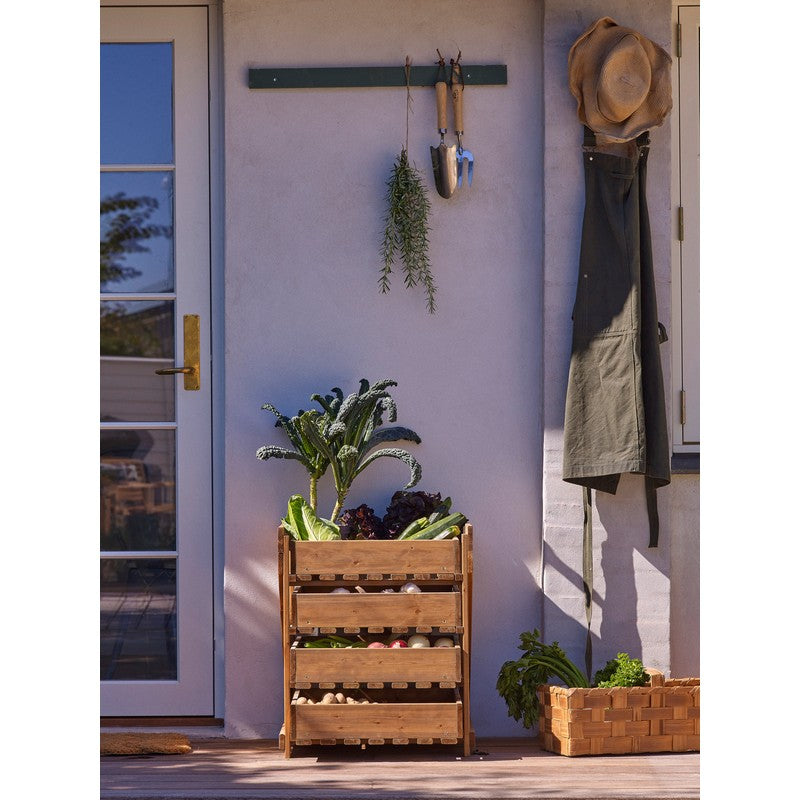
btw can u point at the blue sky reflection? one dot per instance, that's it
(136, 103)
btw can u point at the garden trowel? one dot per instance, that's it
(444, 157)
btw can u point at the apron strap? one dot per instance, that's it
(652, 509)
(588, 575)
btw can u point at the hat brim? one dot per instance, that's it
(585, 57)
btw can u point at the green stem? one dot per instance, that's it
(312, 493)
(337, 509)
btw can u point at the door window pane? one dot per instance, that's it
(137, 337)
(137, 490)
(138, 620)
(136, 232)
(136, 103)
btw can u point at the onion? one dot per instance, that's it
(387, 591)
(410, 587)
(418, 640)
(443, 642)
(340, 590)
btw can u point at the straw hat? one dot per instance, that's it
(620, 79)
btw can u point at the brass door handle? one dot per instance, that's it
(175, 371)
(191, 354)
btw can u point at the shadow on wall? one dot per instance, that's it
(619, 610)
(252, 614)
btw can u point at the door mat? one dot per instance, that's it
(137, 744)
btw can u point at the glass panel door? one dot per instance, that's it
(156, 626)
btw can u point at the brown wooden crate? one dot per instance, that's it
(378, 557)
(388, 720)
(365, 610)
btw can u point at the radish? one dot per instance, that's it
(398, 643)
(418, 640)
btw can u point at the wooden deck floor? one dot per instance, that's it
(225, 769)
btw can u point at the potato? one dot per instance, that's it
(328, 698)
(301, 701)
(340, 698)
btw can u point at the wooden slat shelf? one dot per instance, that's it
(393, 714)
(419, 695)
(374, 580)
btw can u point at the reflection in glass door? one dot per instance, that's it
(156, 627)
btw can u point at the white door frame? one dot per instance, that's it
(212, 673)
(684, 332)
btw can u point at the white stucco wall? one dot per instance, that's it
(483, 380)
(305, 183)
(684, 499)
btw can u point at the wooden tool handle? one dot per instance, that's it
(441, 104)
(458, 108)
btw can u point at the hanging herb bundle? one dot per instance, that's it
(406, 232)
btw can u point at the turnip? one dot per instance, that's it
(418, 640)
(443, 642)
(410, 588)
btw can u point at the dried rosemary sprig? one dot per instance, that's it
(406, 229)
(407, 220)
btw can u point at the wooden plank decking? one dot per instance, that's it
(223, 769)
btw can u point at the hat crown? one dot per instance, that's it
(621, 80)
(624, 80)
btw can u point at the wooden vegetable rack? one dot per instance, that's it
(417, 695)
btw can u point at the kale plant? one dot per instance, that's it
(344, 436)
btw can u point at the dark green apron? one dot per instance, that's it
(615, 418)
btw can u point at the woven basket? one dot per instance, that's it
(661, 718)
